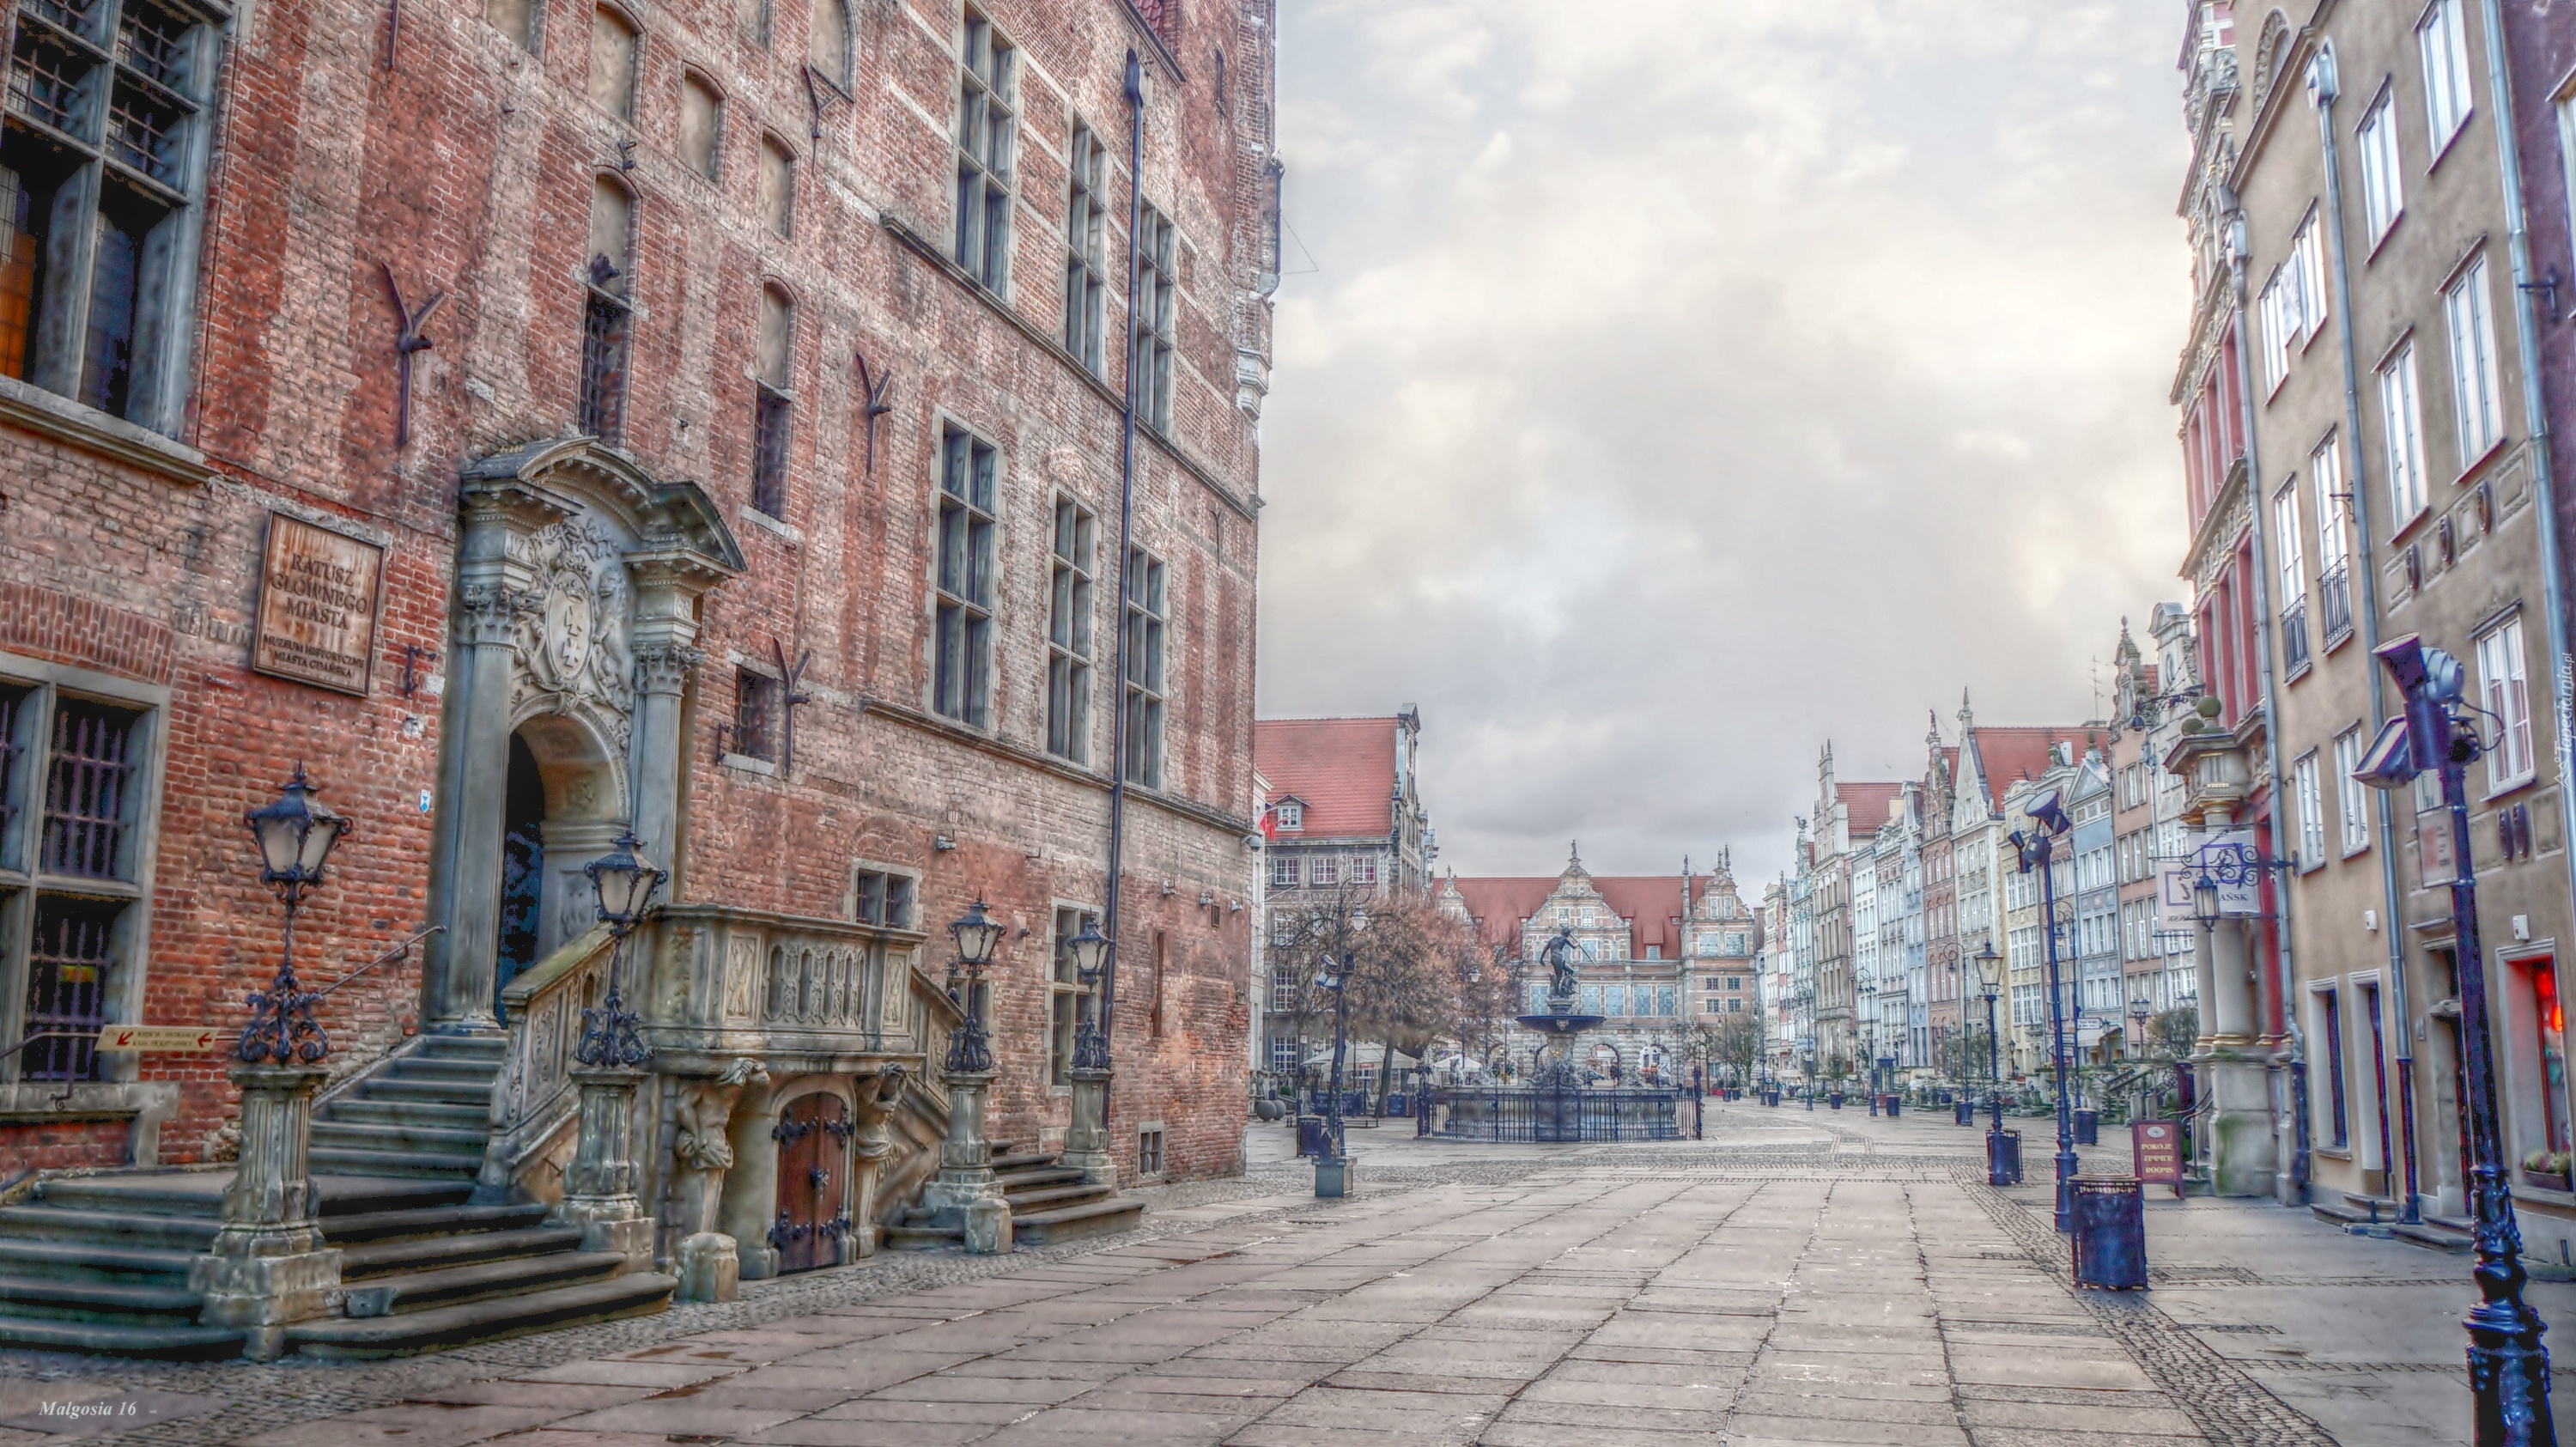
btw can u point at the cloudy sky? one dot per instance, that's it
(1682, 384)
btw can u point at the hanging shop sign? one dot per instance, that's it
(319, 594)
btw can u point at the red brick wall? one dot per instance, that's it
(467, 167)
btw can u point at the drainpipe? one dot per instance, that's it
(1126, 522)
(2323, 91)
(2562, 670)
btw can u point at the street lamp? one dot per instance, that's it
(1335, 975)
(2508, 1367)
(1990, 973)
(1088, 950)
(976, 936)
(2139, 1010)
(295, 835)
(2037, 846)
(611, 1033)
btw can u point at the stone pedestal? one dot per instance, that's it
(2238, 1083)
(965, 1195)
(268, 1267)
(1086, 1138)
(599, 1187)
(708, 1268)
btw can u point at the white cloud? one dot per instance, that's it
(1686, 382)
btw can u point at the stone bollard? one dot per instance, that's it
(709, 1268)
(599, 1187)
(965, 1196)
(1086, 1138)
(268, 1267)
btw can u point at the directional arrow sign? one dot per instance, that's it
(156, 1037)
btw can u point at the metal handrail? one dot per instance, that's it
(397, 952)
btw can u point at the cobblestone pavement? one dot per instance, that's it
(1795, 1277)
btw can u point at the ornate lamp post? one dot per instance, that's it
(268, 1266)
(1990, 974)
(625, 883)
(1334, 974)
(965, 1196)
(599, 1186)
(2508, 1367)
(2037, 845)
(2139, 1011)
(1086, 1137)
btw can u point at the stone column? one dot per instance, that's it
(2234, 1071)
(1086, 1137)
(268, 1266)
(662, 670)
(965, 1195)
(599, 1188)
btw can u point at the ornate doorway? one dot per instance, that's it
(813, 1135)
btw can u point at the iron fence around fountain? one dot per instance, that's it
(1554, 1112)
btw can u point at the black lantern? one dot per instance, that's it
(2205, 904)
(1089, 951)
(611, 1034)
(294, 835)
(977, 936)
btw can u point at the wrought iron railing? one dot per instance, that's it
(1554, 1112)
(2294, 637)
(2334, 603)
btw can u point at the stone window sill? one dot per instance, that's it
(36, 410)
(750, 765)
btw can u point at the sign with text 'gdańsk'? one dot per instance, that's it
(318, 595)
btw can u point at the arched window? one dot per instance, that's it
(701, 126)
(608, 310)
(770, 406)
(613, 48)
(828, 47)
(777, 187)
(2268, 56)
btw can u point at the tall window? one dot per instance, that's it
(2401, 411)
(102, 166)
(2445, 43)
(2480, 404)
(1151, 357)
(1086, 240)
(986, 132)
(2352, 797)
(1065, 994)
(2293, 602)
(701, 126)
(770, 409)
(1142, 717)
(612, 63)
(777, 187)
(2312, 813)
(608, 310)
(74, 794)
(962, 669)
(2383, 191)
(2334, 542)
(827, 45)
(2308, 257)
(2507, 689)
(1069, 633)
(2338, 1131)
(753, 18)
(2278, 311)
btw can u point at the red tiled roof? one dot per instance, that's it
(1652, 905)
(1867, 805)
(1341, 769)
(2022, 752)
(1500, 905)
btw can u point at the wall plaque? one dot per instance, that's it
(318, 596)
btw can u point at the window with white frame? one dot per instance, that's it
(2506, 687)
(2401, 411)
(1363, 869)
(2443, 37)
(1283, 872)
(2312, 814)
(1292, 815)
(2383, 191)
(2308, 261)
(2478, 402)
(2285, 531)
(2334, 510)
(2352, 797)
(2276, 310)
(1324, 870)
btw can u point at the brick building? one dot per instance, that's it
(538, 418)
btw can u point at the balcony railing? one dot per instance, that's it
(2294, 638)
(2334, 602)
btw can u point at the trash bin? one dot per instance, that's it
(1894, 1105)
(1835, 1100)
(2088, 1127)
(2003, 1158)
(1964, 1111)
(1311, 1135)
(2110, 1233)
(1770, 1097)
(1397, 1106)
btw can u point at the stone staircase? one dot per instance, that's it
(100, 1264)
(424, 1113)
(1050, 1203)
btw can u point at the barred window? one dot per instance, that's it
(1086, 239)
(770, 404)
(754, 734)
(608, 311)
(102, 169)
(75, 796)
(986, 134)
(1143, 714)
(881, 897)
(1069, 632)
(962, 600)
(1150, 362)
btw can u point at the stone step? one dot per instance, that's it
(443, 1068)
(513, 1277)
(345, 1194)
(490, 1050)
(1014, 1182)
(388, 1258)
(434, 1092)
(1055, 1196)
(635, 1294)
(426, 1140)
(121, 1339)
(58, 1223)
(476, 1117)
(1013, 1160)
(442, 1223)
(922, 1238)
(342, 1160)
(2439, 1238)
(75, 1260)
(49, 1296)
(190, 1193)
(1072, 1223)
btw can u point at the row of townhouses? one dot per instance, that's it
(818, 438)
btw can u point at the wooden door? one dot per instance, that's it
(813, 1136)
